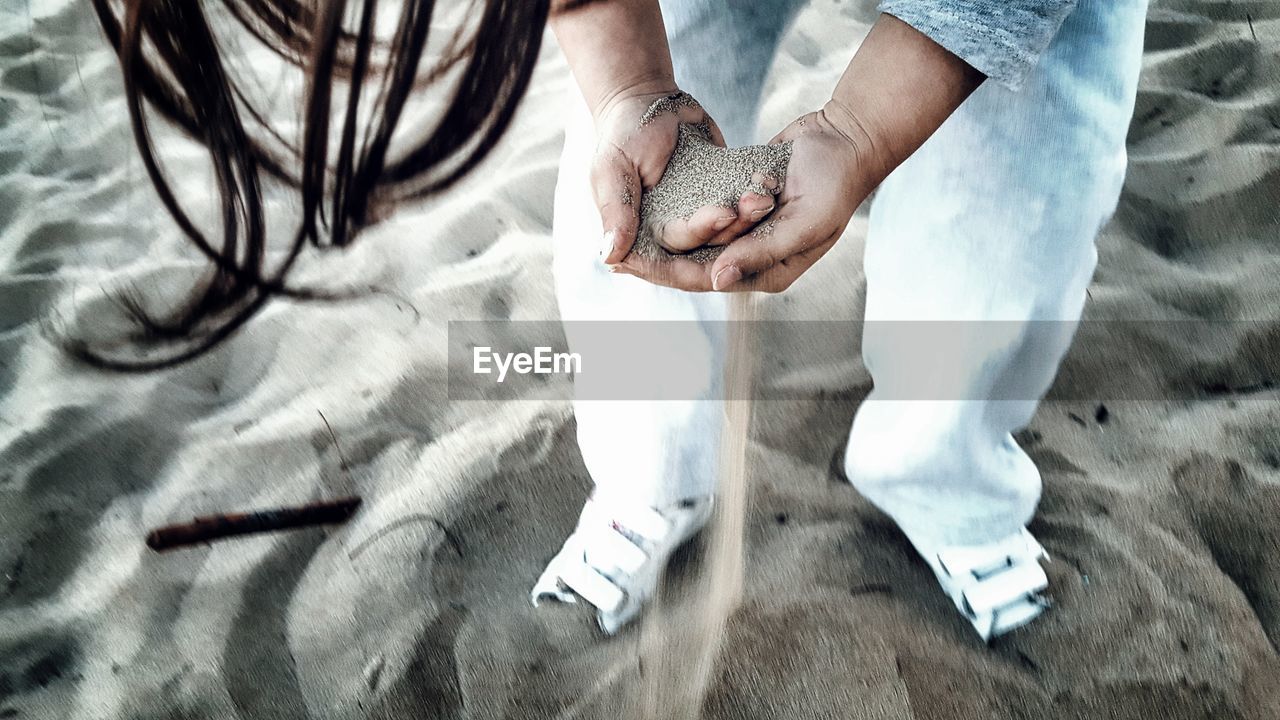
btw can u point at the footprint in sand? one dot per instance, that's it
(36, 664)
(66, 475)
(1238, 517)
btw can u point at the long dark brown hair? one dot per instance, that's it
(172, 65)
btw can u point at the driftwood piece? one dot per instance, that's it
(208, 528)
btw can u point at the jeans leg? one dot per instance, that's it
(991, 222)
(658, 452)
(722, 50)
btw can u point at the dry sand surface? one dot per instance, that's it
(1163, 517)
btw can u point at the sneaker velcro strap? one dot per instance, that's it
(1005, 587)
(637, 519)
(592, 586)
(982, 560)
(610, 552)
(1016, 615)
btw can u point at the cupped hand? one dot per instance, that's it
(826, 181)
(631, 156)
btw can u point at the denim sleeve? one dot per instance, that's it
(1001, 38)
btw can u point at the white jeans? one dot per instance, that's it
(994, 218)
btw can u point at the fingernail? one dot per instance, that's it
(760, 213)
(727, 276)
(607, 250)
(722, 223)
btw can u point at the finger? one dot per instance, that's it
(694, 115)
(768, 181)
(616, 188)
(691, 114)
(785, 273)
(717, 137)
(684, 234)
(678, 273)
(773, 241)
(752, 208)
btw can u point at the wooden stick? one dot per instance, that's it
(208, 528)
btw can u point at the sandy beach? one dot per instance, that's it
(1162, 516)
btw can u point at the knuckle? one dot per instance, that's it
(774, 256)
(779, 285)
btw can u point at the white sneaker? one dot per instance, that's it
(996, 586)
(615, 557)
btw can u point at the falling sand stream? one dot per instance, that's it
(682, 637)
(681, 640)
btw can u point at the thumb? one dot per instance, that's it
(616, 187)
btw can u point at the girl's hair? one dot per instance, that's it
(172, 66)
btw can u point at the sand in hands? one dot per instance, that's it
(701, 173)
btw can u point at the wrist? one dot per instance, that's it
(646, 87)
(870, 153)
